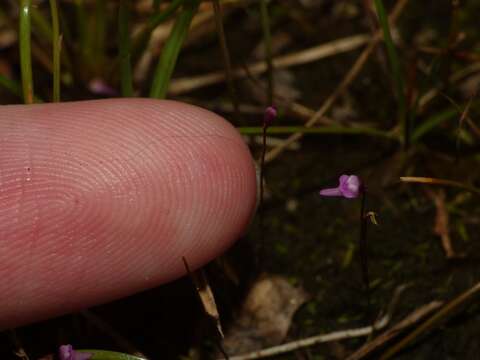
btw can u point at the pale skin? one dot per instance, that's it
(101, 199)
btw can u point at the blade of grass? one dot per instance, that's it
(267, 39)
(56, 40)
(110, 355)
(25, 51)
(15, 88)
(156, 5)
(142, 38)
(432, 122)
(226, 56)
(40, 25)
(83, 48)
(396, 70)
(171, 49)
(340, 130)
(435, 181)
(124, 47)
(99, 36)
(11, 86)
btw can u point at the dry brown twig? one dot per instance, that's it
(333, 336)
(343, 86)
(442, 227)
(411, 319)
(182, 85)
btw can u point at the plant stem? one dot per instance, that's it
(124, 47)
(56, 47)
(226, 56)
(364, 253)
(141, 40)
(265, 20)
(25, 51)
(110, 355)
(445, 182)
(396, 70)
(340, 130)
(171, 49)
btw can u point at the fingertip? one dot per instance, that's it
(101, 199)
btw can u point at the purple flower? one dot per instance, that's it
(66, 352)
(349, 187)
(269, 115)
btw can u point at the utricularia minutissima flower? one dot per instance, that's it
(66, 352)
(350, 187)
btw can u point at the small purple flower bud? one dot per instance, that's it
(66, 352)
(269, 115)
(349, 187)
(99, 87)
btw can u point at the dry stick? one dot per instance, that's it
(334, 336)
(456, 77)
(412, 318)
(347, 80)
(226, 56)
(381, 339)
(299, 344)
(435, 181)
(182, 85)
(432, 321)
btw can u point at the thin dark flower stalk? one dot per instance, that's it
(268, 118)
(226, 56)
(351, 187)
(364, 252)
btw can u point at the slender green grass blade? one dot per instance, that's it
(226, 56)
(339, 130)
(396, 69)
(267, 39)
(15, 88)
(171, 49)
(124, 47)
(156, 5)
(11, 86)
(56, 42)
(110, 355)
(98, 35)
(25, 51)
(40, 25)
(142, 38)
(432, 122)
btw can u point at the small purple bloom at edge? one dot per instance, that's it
(350, 187)
(66, 352)
(269, 115)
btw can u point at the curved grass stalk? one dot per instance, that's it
(435, 181)
(56, 42)
(267, 39)
(25, 51)
(110, 355)
(171, 49)
(396, 70)
(340, 130)
(142, 38)
(11, 86)
(124, 47)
